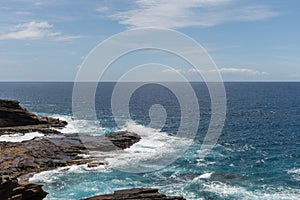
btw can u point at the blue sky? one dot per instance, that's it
(248, 40)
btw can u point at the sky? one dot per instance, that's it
(249, 40)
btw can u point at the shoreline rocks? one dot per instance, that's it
(11, 189)
(16, 119)
(135, 193)
(19, 160)
(46, 153)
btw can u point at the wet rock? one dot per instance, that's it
(123, 139)
(135, 193)
(97, 163)
(110, 142)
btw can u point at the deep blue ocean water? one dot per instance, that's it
(257, 155)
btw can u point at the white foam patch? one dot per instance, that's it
(153, 147)
(45, 177)
(20, 137)
(236, 192)
(295, 173)
(204, 176)
(53, 176)
(79, 126)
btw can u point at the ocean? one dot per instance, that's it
(257, 156)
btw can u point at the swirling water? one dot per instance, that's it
(257, 155)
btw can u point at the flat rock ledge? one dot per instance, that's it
(135, 194)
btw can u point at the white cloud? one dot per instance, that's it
(31, 30)
(179, 14)
(35, 30)
(68, 37)
(241, 71)
(238, 71)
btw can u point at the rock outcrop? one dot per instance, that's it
(50, 152)
(19, 159)
(135, 193)
(16, 119)
(11, 189)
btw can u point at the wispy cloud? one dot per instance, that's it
(240, 71)
(179, 14)
(68, 37)
(237, 71)
(35, 30)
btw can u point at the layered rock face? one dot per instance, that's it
(135, 193)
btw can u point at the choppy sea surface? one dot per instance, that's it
(257, 155)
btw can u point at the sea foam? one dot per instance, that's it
(20, 137)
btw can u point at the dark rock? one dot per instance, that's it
(123, 139)
(135, 193)
(11, 189)
(16, 119)
(47, 153)
(22, 158)
(97, 163)
(110, 142)
(39, 154)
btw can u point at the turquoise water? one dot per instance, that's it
(257, 155)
